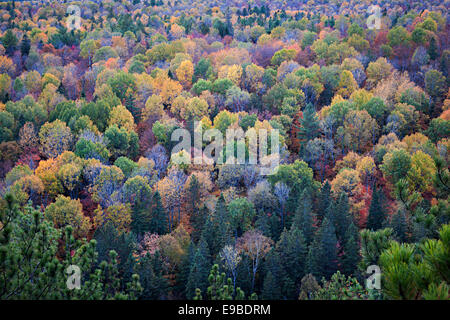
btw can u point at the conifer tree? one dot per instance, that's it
(400, 226)
(158, 222)
(376, 216)
(198, 274)
(323, 255)
(216, 231)
(45, 254)
(309, 127)
(292, 251)
(324, 200)
(304, 218)
(351, 257)
(342, 218)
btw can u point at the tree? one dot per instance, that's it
(67, 212)
(347, 84)
(322, 256)
(281, 191)
(55, 138)
(309, 127)
(292, 251)
(185, 72)
(217, 230)
(435, 84)
(341, 288)
(304, 218)
(121, 142)
(241, 213)
(119, 215)
(198, 276)
(42, 262)
(309, 287)
(158, 222)
(256, 246)
(396, 165)
(411, 276)
(377, 214)
(9, 41)
(373, 243)
(351, 256)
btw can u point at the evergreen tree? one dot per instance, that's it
(185, 268)
(197, 220)
(323, 255)
(292, 251)
(350, 258)
(151, 274)
(198, 274)
(216, 231)
(9, 41)
(158, 221)
(45, 253)
(376, 216)
(271, 288)
(342, 217)
(109, 238)
(309, 127)
(193, 194)
(400, 226)
(324, 200)
(25, 45)
(274, 277)
(304, 218)
(433, 49)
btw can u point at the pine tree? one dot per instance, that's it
(45, 253)
(309, 287)
(376, 216)
(198, 220)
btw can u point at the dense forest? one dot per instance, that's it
(92, 91)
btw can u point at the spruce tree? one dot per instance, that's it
(309, 127)
(198, 274)
(400, 226)
(323, 255)
(274, 277)
(324, 200)
(216, 231)
(158, 221)
(193, 194)
(433, 49)
(304, 218)
(342, 216)
(376, 216)
(351, 257)
(292, 251)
